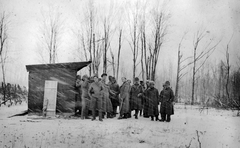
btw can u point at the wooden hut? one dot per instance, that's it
(64, 75)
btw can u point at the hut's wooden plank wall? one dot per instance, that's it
(65, 75)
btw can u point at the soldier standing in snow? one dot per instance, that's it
(145, 103)
(152, 100)
(166, 99)
(85, 97)
(124, 99)
(114, 94)
(95, 94)
(135, 97)
(106, 103)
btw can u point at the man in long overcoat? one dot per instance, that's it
(106, 104)
(124, 99)
(85, 97)
(145, 104)
(152, 100)
(166, 99)
(95, 93)
(114, 94)
(135, 97)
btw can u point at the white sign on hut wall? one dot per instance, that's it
(50, 98)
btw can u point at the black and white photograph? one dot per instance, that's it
(119, 73)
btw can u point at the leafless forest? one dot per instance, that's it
(142, 29)
(193, 44)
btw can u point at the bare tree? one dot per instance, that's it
(106, 42)
(205, 54)
(143, 41)
(51, 31)
(119, 51)
(89, 42)
(4, 36)
(90, 31)
(97, 53)
(160, 26)
(227, 67)
(134, 34)
(113, 62)
(180, 68)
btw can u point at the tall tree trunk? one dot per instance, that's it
(94, 56)
(178, 75)
(143, 72)
(228, 75)
(134, 49)
(146, 62)
(90, 55)
(193, 74)
(106, 33)
(119, 50)
(4, 80)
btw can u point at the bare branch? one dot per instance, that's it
(210, 50)
(186, 59)
(182, 75)
(185, 66)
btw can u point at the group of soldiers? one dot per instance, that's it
(103, 98)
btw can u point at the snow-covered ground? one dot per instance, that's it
(215, 129)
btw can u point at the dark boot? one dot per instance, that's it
(120, 117)
(168, 118)
(86, 114)
(124, 116)
(100, 116)
(136, 114)
(87, 117)
(103, 115)
(113, 114)
(130, 114)
(152, 119)
(109, 115)
(146, 116)
(156, 118)
(163, 116)
(140, 112)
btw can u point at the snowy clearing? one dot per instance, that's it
(215, 128)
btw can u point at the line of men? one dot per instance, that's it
(103, 99)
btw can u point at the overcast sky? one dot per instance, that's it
(220, 18)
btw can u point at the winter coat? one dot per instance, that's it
(152, 101)
(114, 93)
(145, 104)
(85, 99)
(136, 97)
(124, 98)
(166, 99)
(78, 95)
(106, 103)
(84, 89)
(95, 91)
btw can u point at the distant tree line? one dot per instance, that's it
(12, 94)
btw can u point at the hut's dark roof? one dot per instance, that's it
(73, 65)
